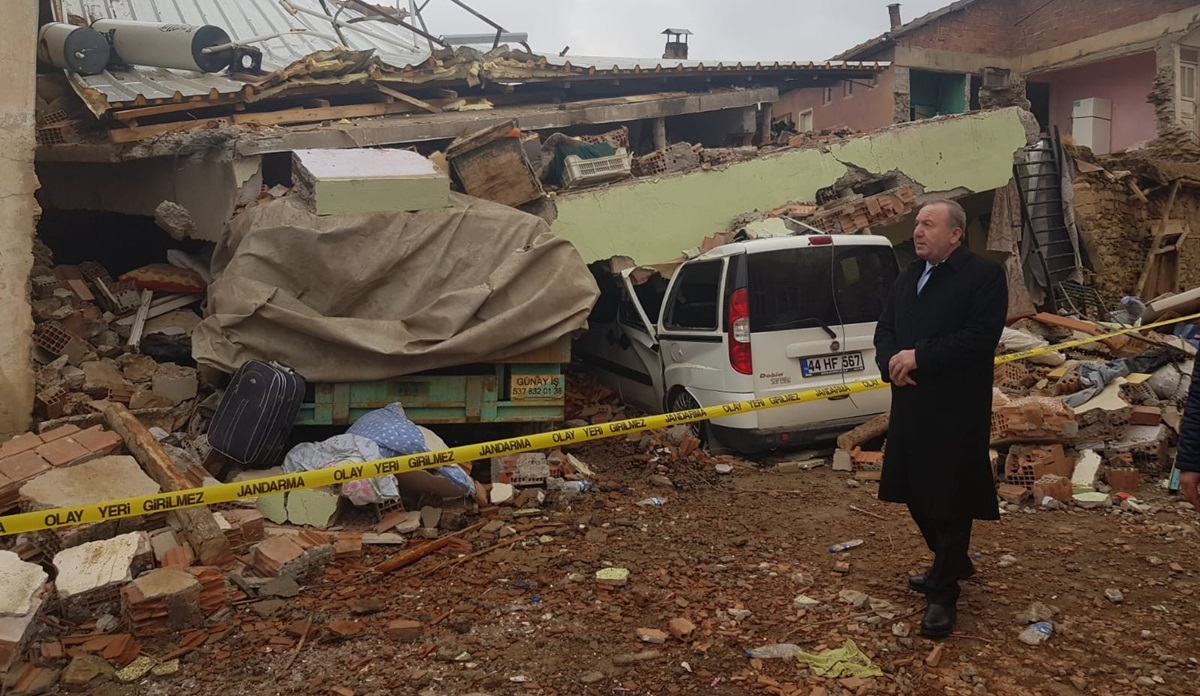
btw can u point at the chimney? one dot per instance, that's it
(677, 47)
(894, 16)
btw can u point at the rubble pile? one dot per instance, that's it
(100, 341)
(1120, 202)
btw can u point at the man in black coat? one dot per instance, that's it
(935, 343)
(1187, 458)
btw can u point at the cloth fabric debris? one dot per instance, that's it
(1015, 341)
(846, 661)
(347, 448)
(354, 298)
(397, 436)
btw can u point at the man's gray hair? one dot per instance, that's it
(958, 216)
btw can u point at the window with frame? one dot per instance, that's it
(695, 298)
(828, 97)
(1188, 60)
(847, 88)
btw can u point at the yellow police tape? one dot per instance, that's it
(229, 492)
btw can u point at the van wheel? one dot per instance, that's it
(682, 400)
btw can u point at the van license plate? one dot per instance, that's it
(832, 364)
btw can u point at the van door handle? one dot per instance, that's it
(838, 398)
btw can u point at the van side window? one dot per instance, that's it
(695, 298)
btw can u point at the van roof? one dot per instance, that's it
(798, 241)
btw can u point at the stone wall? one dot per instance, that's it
(18, 211)
(1121, 225)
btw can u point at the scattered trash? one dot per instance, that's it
(836, 548)
(846, 661)
(804, 602)
(775, 651)
(1037, 633)
(1036, 612)
(901, 630)
(724, 469)
(652, 502)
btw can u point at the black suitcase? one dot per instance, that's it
(257, 413)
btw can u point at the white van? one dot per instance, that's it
(748, 320)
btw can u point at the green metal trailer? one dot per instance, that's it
(529, 388)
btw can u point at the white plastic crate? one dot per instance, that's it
(584, 172)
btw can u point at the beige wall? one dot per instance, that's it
(18, 37)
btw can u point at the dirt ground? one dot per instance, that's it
(730, 554)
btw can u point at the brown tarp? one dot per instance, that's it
(368, 297)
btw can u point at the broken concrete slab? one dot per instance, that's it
(273, 507)
(175, 383)
(15, 631)
(501, 493)
(313, 507)
(361, 180)
(90, 575)
(100, 376)
(20, 583)
(95, 565)
(114, 477)
(85, 669)
(1086, 470)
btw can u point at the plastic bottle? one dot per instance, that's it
(845, 545)
(1037, 634)
(775, 651)
(656, 502)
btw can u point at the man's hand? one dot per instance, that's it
(1189, 486)
(900, 366)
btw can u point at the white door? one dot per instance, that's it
(813, 311)
(641, 382)
(690, 333)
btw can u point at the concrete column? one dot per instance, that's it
(660, 133)
(18, 212)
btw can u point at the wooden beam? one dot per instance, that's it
(159, 109)
(132, 135)
(876, 427)
(198, 524)
(407, 99)
(1154, 267)
(139, 319)
(332, 113)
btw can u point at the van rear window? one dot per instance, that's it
(814, 286)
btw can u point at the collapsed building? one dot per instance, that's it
(194, 184)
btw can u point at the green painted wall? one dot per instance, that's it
(654, 220)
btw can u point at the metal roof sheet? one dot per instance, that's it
(299, 30)
(298, 36)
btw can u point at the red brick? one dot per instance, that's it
(404, 631)
(62, 452)
(59, 432)
(23, 466)
(178, 557)
(19, 444)
(97, 440)
(1145, 415)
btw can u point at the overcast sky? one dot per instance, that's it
(724, 29)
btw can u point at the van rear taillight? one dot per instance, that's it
(739, 332)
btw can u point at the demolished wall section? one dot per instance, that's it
(659, 217)
(18, 210)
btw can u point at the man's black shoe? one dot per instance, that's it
(916, 583)
(938, 621)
